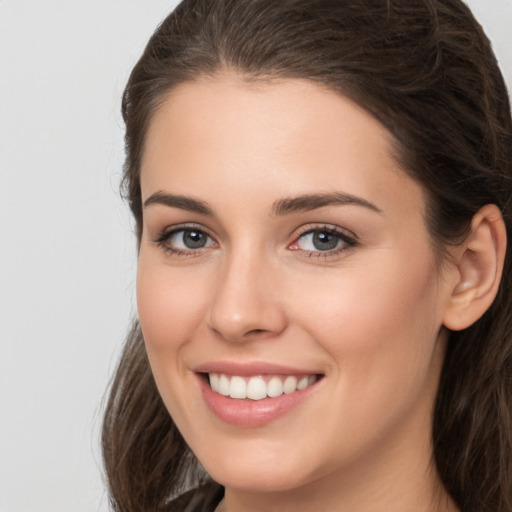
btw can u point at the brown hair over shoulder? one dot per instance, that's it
(426, 71)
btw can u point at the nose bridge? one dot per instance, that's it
(244, 303)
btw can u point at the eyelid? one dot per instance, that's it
(169, 230)
(332, 228)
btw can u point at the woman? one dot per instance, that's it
(322, 197)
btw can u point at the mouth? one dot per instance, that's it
(258, 387)
(255, 394)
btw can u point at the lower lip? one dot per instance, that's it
(251, 413)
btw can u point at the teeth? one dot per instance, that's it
(214, 381)
(303, 383)
(223, 385)
(274, 387)
(290, 385)
(237, 388)
(257, 388)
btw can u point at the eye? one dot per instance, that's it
(189, 239)
(323, 240)
(320, 241)
(182, 241)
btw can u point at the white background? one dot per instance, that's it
(67, 259)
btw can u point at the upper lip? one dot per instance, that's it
(251, 368)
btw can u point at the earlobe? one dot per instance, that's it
(479, 266)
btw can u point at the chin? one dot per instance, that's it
(260, 470)
(258, 479)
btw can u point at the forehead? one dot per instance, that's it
(269, 138)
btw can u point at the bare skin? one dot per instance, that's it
(347, 290)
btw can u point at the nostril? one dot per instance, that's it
(257, 334)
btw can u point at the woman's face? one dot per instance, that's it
(285, 253)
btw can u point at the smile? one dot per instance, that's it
(258, 387)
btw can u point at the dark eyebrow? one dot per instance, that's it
(313, 201)
(177, 201)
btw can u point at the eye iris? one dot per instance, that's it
(324, 241)
(194, 239)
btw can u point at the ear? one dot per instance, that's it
(479, 262)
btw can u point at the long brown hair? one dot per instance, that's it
(426, 71)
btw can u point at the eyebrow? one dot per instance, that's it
(280, 207)
(177, 201)
(313, 201)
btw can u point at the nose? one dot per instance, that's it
(246, 301)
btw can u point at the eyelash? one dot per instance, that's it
(348, 241)
(163, 238)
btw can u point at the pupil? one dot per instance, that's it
(194, 239)
(324, 241)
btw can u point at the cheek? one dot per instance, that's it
(379, 330)
(375, 320)
(169, 306)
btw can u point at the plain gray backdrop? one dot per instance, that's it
(67, 253)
